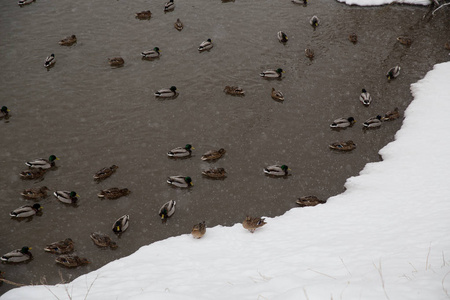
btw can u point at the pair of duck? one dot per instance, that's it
(371, 122)
(38, 167)
(186, 151)
(62, 248)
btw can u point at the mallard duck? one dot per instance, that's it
(105, 172)
(373, 122)
(215, 173)
(33, 173)
(181, 151)
(251, 223)
(282, 37)
(353, 38)
(314, 21)
(213, 154)
(69, 40)
(113, 193)
(35, 193)
(151, 54)
(277, 95)
(365, 97)
(393, 73)
(121, 224)
(167, 210)
(61, 247)
(18, 255)
(50, 61)
(276, 170)
(234, 90)
(309, 201)
(68, 197)
(42, 162)
(404, 40)
(304, 2)
(206, 45)
(4, 112)
(102, 240)
(343, 146)
(199, 230)
(169, 6)
(309, 53)
(71, 261)
(343, 122)
(26, 211)
(272, 73)
(25, 2)
(144, 15)
(180, 181)
(391, 115)
(178, 25)
(167, 93)
(116, 61)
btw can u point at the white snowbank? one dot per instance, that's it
(386, 237)
(382, 2)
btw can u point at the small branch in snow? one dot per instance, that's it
(445, 290)
(12, 283)
(428, 255)
(321, 273)
(434, 11)
(345, 266)
(380, 271)
(306, 295)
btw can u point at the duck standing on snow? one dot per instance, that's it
(61, 247)
(343, 146)
(178, 25)
(102, 240)
(213, 154)
(121, 224)
(113, 193)
(181, 151)
(68, 197)
(276, 170)
(365, 97)
(251, 224)
(18, 255)
(343, 122)
(282, 37)
(26, 211)
(151, 54)
(71, 261)
(277, 95)
(272, 73)
(393, 73)
(180, 181)
(206, 45)
(167, 210)
(105, 172)
(373, 122)
(167, 93)
(69, 40)
(169, 6)
(50, 61)
(42, 162)
(391, 115)
(199, 230)
(314, 21)
(35, 193)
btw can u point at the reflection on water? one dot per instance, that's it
(93, 116)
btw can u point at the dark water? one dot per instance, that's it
(92, 116)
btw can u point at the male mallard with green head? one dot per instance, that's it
(26, 211)
(68, 197)
(181, 151)
(167, 210)
(272, 73)
(151, 54)
(276, 170)
(42, 162)
(18, 255)
(180, 181)
(167, 93)
(25, 2)
(365, 97)
(393, 73)
(206, 45)
(282, 37)
(60, 247)
(314, 21)
(169, 6)
(343, 122)
(50, 61)
(121, 224)
(373, 122)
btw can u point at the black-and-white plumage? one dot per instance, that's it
(365, 97)
(121, 224)
(205, 45)
(167, 210)
(342, 122)
(393, 72)
(180, 181)
(373, 122)
(50, 61)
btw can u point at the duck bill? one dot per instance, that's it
(162, 217)
(191, 183)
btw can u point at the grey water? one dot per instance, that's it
(92, 116)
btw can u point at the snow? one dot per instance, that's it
(386, 237)
(382, 2)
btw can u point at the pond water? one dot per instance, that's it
(92, 116)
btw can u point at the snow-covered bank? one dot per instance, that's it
(383, 2)
(386, 237)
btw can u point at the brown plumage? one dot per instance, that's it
(144, 15)
(404, 40)
(199, 230)
(343, 146)
(35, 193)
(116, 61)
(353, 38)
(234, 90)
(309, 201)
(71, 261)
(215, 173)
(251, 223)
(178, 25)
(113, 193)
(309, 53)
(213, 154)
(102, 240)
(61, 247)
(68, 41)
(391, 115)
(34, 173)
(105, 172)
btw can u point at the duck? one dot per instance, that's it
(282, 37)
(167, 93)
(373, 122)
(343, 146)
(113, 193)
(404, 40)
(50, 61)
(116, 61)
(42, 163)
(304, 2)
(18, 255)
(105, 172)
(151, 54)
(69, 40)
(234, 90)
(33, 173)
(213, 154)
(391, 115)
(185, 151)
(178, 25)
(4, 112)
(309, 53)
(206, 45)
(314, 21)
(199, 230)
(180, 181)
(169, 6)
(343, 122)
(353, 38)
(251, 224)
(447, 46)
(215, 173)
(277, 95)
(143, 15)
(68, 197)
(60, 247)
(102, 240)
(121, 224)
(25, 2)
(365, 97)
(167, 210)
(272, 73)
(276, 170)
(35, 193)
(309, 201)
(393, 73)
(26, 211)
(71, 261)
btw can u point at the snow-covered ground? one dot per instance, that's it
(382, 2)
(386, 237)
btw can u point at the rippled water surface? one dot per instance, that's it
(92, 116)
